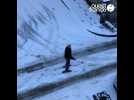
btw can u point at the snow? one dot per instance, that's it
(53, 73)
(45, 27)
(85, 89)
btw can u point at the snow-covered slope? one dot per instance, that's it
(45, 27)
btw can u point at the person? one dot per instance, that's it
(68, 56)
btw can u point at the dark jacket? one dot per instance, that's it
(68, 53)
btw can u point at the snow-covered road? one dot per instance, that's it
(77, 54)
(53, 74)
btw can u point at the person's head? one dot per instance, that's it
(69, 45)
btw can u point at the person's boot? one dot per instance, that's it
(67, 69)
(66, 65)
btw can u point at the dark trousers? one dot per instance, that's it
(67, 64)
